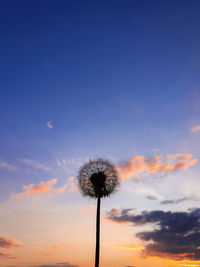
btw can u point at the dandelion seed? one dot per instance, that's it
(98, 178)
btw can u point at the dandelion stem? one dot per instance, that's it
(97, 232)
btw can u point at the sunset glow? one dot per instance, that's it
(113, 85)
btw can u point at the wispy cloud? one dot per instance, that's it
(59, 264)
(56, 247)
(196, 129)
(47, 254)
(72, 185)
(42, 188)
(46, 189)
(151, 197)
(9, 243)
(156, 164)
(61, 189)
(65, 162)
(7, 166)
(49, 124)
(178, 200)
(7, 256)
(139, 189)
(35, 164)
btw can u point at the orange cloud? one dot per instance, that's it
(7, 256)
(185, 263)
(60, 189)
(179, 156)
(56, 247)
(32, 189)
(145, 166)
(46, 188)
(9, 243)
(196, 129)
(48, 254)
(174, 258)
(72, 185)
(71, 180)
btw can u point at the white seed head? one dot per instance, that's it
(97, 166)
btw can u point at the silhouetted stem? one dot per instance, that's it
(97, 232)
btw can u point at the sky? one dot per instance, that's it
(111, 79)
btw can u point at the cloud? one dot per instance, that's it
(47, 254)
(46, 188)
(35, 164)
(139, 189)
(178, 200)
(176, 235)
(72, 185)
(151, 197)
(49, 124)
(7, 256)
(66, 264)
(7, 166)
(31, 189)
(60, 189)
(196, 129)
(155, 164)
(66, 162)
(59, 264)
(9, 243)
(56, 247)
(71, 180)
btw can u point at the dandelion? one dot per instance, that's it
(98, 178)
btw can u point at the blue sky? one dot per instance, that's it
(115, 79)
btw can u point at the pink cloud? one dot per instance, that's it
(60, 189)
(9, 243)
(32, 189)
(71, 180)
(7, 256)
(196, 129)
(56, 247)
(46, 188)
(141, 165)
(70, 185)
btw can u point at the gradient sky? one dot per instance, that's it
(113, 79)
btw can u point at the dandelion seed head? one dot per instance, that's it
(98, 178)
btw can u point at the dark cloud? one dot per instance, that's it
(178, 200)
(59, 264)
(150, 197)
(66, 264)
(9, 243)
(177, 234)
(7, 256)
